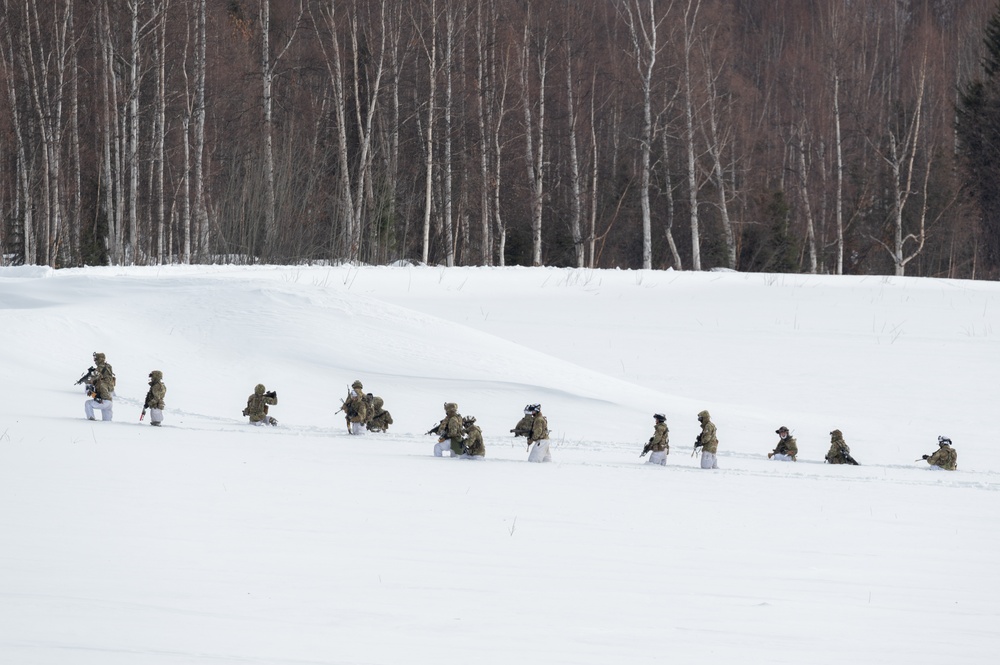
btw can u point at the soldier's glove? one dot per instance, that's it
(440, 439)
(926, 456)
(244, 412)
(770, 455)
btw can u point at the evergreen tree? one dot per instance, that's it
(979, 136)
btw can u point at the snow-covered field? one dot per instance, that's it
(211, 541)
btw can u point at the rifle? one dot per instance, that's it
(646, 448)
(434, 430)
(85, 376)
(697, 444)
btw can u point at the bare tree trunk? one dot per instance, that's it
(200, 65)
(431, 50)
(902, 155)
(483, 16)
(645, 48)
(716, 145)
(76, 207)
(840, 174)
(806, 202)
(669, 192)
(267, 68)
(449, 47)
(592, 231)
(576, 195)
(690, 20)
(133, 138)
(159, 131)
(534, 154)
(267, 78)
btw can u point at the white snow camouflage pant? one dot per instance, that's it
(105, 407)
(709, 461)
(540, 452)
(658, 457)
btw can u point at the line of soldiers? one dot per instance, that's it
(787, 449)
(461, 436)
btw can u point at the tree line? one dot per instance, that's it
(820, 136)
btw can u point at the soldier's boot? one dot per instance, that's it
(154, 424)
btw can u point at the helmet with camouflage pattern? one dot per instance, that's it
(703, 416)
(944, 441)
(357, 385)
(659, 417)
(259, 389)
(469, 421)
(450, 407)
(156, 375)
(99, 358)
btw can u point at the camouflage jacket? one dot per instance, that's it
(104, 382)
(356, 407)
(787, 446)
(660, 441)
(945, 457)
(154, 397)
(257, 406)
(707, 440)
(839, 451)
(539, 428)
(474, 442)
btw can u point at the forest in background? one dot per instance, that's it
(817, 136)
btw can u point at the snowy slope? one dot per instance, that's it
(211, 541)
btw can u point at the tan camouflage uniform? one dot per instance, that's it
(257, 406)
(786, 445)
(381, 419)
(102, 392)
(450, 430)
(355, 405)
(154, 397)
(945, 457)
(839, 452)
(473, 442)
(707, 441)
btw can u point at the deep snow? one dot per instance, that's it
(209, 540)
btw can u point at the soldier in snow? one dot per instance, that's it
(539, 436)
(449, 432)
(380, 418)
(154, 398)
(707, 441)
(659, 444)
(102, 390)
(786, 450)
(257, 406)
(355, 408)
(945, 457)
(839, 452)
(473, 441)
